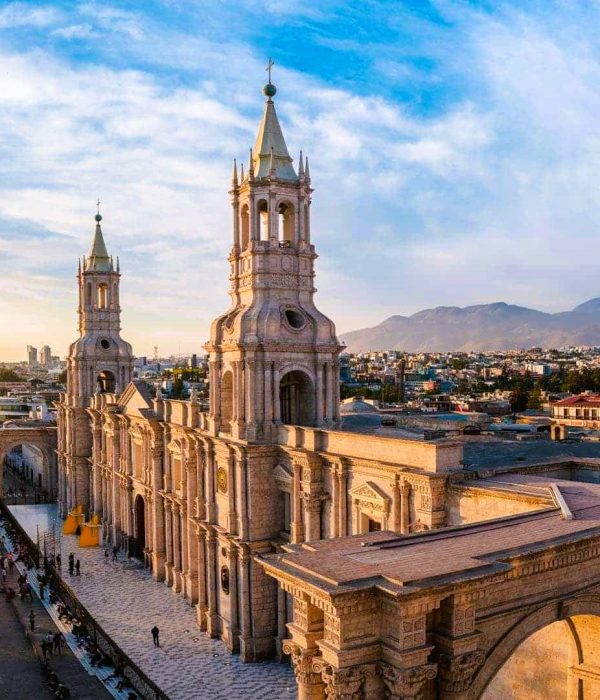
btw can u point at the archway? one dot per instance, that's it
(140, 527)
(26, 454)
(106, 382)
(297, 399)
(556, 661)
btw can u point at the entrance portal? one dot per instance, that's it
(140, 528)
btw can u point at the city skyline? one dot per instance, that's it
(431, 135)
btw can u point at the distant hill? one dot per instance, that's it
(497, 326)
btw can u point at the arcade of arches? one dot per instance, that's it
(31, 452)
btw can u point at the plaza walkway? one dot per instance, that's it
(127, 602)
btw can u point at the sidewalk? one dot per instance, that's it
(66, 666)
(127, 602)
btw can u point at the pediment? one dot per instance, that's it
(282, 475)
(135, 400)
(368, 491)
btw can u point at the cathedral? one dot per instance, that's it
(200, 495)
(286, 533)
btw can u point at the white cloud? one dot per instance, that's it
(21, 14)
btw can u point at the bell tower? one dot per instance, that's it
(273, 355)
(100, 361)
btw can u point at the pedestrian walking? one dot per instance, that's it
(77, 568)
(106, 555)
(71, 564)
(155, 632)
(57, 642)
(114, 553)
(49, 638)
(44, 647)
(32, 621)
(42, 590)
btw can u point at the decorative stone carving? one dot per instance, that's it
(401, 684)
(341, 684)
(222, 480)
(456, 672)
(302, 663)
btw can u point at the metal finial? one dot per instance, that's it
(98, 216)
(269, 89)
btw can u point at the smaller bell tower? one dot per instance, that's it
(100, 361)
(273, 355)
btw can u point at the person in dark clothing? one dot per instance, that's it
(77, 568)
(71, 563)
(57, 641)
(155, 632)
(32, 620)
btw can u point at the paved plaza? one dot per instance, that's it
(127, 602)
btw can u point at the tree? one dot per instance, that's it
(535, 399)
(519, 399)
(9, 375)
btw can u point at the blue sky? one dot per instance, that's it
(454, 152)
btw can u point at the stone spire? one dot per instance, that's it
(270, 147)
(98, 259)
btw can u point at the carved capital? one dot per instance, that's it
(341, 684)
(302, 663)
(401, 684)
(456, 672)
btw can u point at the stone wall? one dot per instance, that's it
(470, 504)
(537, 670)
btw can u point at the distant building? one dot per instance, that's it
(193, 361)
(582, 411)
(32, 356)
(46, 356)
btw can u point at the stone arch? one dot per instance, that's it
(262, 220)
(139, 510)
(297, 397)
(245, 226)
(106, 381)
(525, 628)
(286, 222)
(44, 439)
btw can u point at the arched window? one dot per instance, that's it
(102, 296)
(245, 226)
(106, 382)
(286, 224)
(263, 220)
(306, 223)
(88, 293)
(297, 399)
(226, 401)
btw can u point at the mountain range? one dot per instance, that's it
(497, 326)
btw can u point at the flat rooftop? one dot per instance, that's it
(403, 564)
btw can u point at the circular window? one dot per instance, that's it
(295, 318)
(105, 344)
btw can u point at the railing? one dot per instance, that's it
(138, 680)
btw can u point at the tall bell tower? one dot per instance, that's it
(99, 361)
(273, 355)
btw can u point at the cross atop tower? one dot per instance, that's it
(270, 65)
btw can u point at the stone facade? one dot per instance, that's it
(201, 497)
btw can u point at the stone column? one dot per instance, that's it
(202, 606)
(297, 533)
(234, 628)
(210, 484)
(159, 525)
(281, 622)
(191, 579)
(310, 683)
(168, 543)
(312, 509)
(404, 507)
(405, 683)
(176, 548)
(319, 394)
(244, 560)
(212, 618)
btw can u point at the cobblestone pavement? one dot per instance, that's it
(127, 602)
